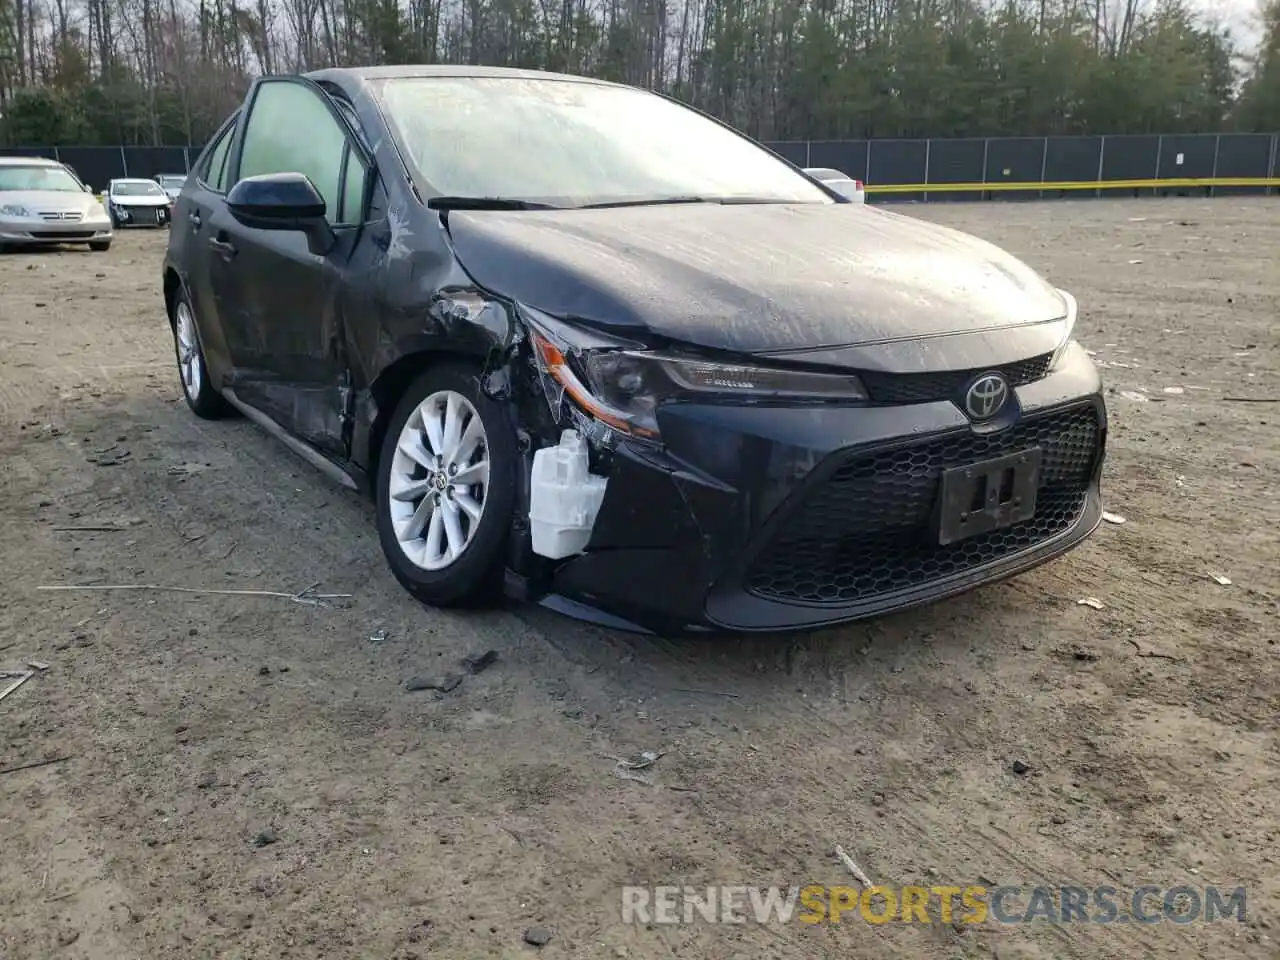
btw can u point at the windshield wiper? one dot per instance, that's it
(661, 201)
(486, 203)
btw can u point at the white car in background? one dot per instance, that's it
(840, 182)
(171, 183)
(138, 203)
(43, 202)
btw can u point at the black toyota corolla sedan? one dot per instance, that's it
(590, 347)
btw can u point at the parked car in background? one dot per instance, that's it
(648, 374)
(138, 203)
(43, 202)
(843, 184)
(171, 183)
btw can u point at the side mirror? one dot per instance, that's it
(283, 201)
(87, 188)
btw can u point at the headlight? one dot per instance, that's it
(14, 210)
(622, 385)
(1069, 328)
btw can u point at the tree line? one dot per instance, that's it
(166, 72)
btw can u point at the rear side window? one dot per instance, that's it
(291, 130)
(214, 173)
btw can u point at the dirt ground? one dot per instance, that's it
(247, 777)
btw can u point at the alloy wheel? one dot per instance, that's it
(438, 480)
(190, 364)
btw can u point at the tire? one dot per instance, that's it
(193, 372)
(99, 246)
(473, 576)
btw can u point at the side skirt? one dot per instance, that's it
(329, 468)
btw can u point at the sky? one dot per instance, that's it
(1240, 15)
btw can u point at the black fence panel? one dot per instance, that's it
(847, 156)
(1244, 155)
(27, 152)
(999, 160)
(1130, 158)
(1015, 160)
(794, 150)
(1071, 159)
(898, 161)
(94, 165)
(1187, 155)
(150, 161)
(956, 161)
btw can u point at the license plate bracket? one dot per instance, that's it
(988, 495)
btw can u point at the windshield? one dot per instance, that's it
(571, 144)
(174, 181)
(143, 188)
(38, 178)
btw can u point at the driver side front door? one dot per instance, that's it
(288, 341)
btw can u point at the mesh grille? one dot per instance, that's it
(930, 387)
(869, 528)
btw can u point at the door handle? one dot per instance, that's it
(194, 217)
(223, 248)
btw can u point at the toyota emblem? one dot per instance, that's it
(986, 396)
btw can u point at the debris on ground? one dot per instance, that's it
(853, 868)
(1220, 579)
(1135, 396)
(378, 636)
(480, 661)
(1090, 602)
(19, 677)
(624, 768)
(1020, 767)
(34, 765)
(265, 838)
(1112, 517)
(444, 683)
(537, 936)
(306, 596)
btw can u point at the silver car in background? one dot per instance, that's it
(43, 202)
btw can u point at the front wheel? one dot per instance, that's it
(446, 489)
(203, 400)
(99, 246)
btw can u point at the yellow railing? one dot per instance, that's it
(1004, 186)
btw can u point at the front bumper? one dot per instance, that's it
(141, 215)
(777, 518)
(28, 231)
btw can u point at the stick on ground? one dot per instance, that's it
(853, 868)
(302, 596)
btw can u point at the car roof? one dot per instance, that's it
(409, 71)
(116, 180)
(28, 162)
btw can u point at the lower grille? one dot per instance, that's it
(144, 216)
(929, 387)
(869, 528)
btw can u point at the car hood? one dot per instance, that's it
(753, 278)
(45, 201)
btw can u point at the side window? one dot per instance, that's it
(213, 172)
(357, 173)
(291, 130)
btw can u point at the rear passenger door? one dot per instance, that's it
(200, 197)
(285, 329)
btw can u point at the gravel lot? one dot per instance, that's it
(196, 728)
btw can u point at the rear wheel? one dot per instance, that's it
(446, 489)
(192, 371)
